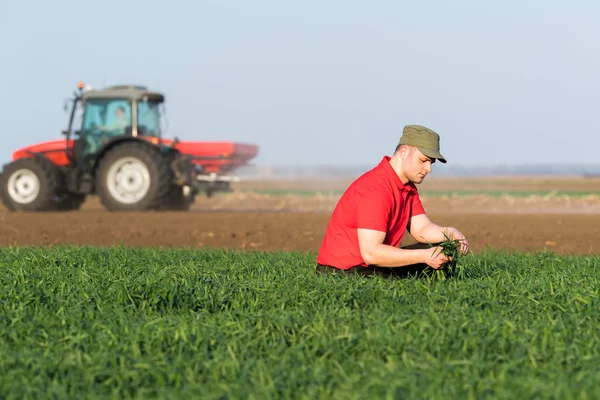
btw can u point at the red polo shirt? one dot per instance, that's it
(376, 200)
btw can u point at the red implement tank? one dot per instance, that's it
(219, 157)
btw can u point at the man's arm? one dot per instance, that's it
(425, 231)
(375, 252)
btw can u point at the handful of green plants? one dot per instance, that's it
(450, 247)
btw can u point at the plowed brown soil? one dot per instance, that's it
(247, 221)
(564, 233)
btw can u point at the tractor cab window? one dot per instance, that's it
(148, 118)
(107, 117)
(103, 120)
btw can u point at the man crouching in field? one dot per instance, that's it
(369, 221)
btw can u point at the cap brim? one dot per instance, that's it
(432, 154)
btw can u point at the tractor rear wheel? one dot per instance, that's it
(29, 184)
(133, 176)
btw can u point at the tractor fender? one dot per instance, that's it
(35, 154)
(31, 154)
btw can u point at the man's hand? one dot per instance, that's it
(425, 231)
(435, 258)
(455, 234)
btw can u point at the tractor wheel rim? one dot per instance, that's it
(128, 180)
(24, 186)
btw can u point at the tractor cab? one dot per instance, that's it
(113, 113)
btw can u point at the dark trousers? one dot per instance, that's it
(386, 272)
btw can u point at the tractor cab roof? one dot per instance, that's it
(129, 92)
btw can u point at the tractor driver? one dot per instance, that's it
(116, 128)
(119, 124)
(368, 223)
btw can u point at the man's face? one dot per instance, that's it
(416, 165)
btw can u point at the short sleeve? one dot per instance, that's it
(373, 207)
(416, 206)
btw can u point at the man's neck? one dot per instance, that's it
(396, 164)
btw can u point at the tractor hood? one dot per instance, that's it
(55, 150)
(43, 147)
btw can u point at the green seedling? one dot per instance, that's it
(450, 247)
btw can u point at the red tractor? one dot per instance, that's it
(118, 154)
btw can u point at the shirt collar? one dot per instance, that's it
(389, 171)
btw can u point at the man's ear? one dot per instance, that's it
(403, 152)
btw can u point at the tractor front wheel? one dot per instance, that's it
(133, 177)
(29, 184)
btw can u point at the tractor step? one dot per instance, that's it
(86, 184)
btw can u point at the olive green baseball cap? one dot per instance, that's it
(424, 139)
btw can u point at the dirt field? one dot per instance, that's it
(248, 221)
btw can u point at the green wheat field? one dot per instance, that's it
(213, 324)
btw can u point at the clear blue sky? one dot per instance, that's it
(321, 82)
